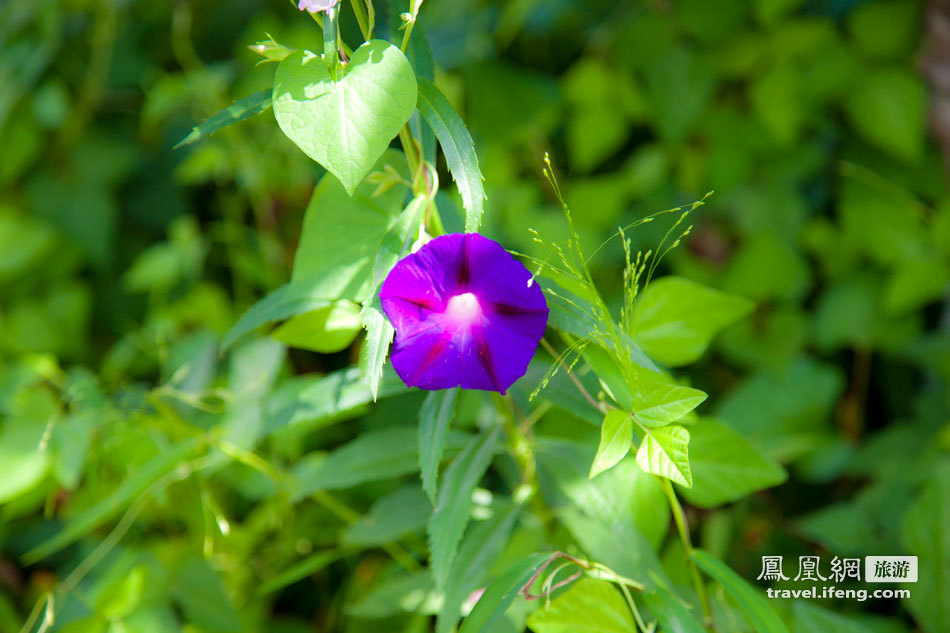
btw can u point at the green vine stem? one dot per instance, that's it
(683, 528)
(331, 38)
(363, 18)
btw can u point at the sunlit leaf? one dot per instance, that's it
(588, 606)
(616, 433)
(657, 404)
(345, 125)
(458, 147)
(664, 452)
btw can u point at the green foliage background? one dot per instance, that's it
(153, 484)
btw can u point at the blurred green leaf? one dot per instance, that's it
(847, 313)
(618, 545)
(391, 517)
(778, 102)
(885, 29)
(199, 591)
(326, 330)
(883, 223)
(598, 126)
(404, 593)
(725, 466)
(374, 455)
(768, 268)
(925, 536)
(500, 594)
(360, 221)
(888, 108)
(134, 485)
(679, 87)
(625, 498)
(23, 243)
(671, 612)
(72, 437)
(245, 108)
(492, 119)
(676, 318)
(783, 410)
(315, 401)
(299, 570)
(122, 597)
(771, 11)
(481, 547)
(809, 617)
(451, 512)
(749, 600)
(283, 303)
(588, 605)
(914, 284)
(434, 418)
(23, 449)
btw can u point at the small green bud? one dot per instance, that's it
(271, 50)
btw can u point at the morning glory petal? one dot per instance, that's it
(466, 313)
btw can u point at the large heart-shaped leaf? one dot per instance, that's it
(345, 125)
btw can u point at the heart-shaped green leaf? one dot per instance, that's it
(345, 125)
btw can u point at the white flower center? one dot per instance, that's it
(463, 309)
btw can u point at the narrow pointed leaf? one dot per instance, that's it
(500, 594)
(451, 513)
(287, 301)
(458, 147)
(379, 334)
(397, 240)
(482, 546)
(242, 109)
(749, 599)
(373, 456)
(300, 570)
(434, 418)
(670, 611)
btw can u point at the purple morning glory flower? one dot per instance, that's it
(466, 313)
(316, 6)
